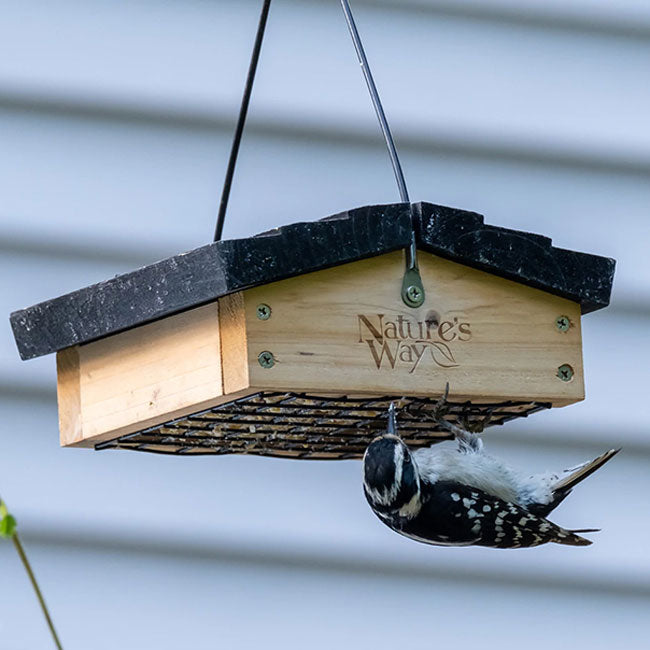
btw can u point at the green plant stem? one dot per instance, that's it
(39, 595)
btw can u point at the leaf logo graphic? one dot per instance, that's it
(442, 355)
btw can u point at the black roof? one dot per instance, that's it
(204, 274)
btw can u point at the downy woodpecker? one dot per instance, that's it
(461, 496)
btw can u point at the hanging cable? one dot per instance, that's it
(412, 289)
(376, 101)
(241, 120)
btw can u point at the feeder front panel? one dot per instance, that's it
(345, 330)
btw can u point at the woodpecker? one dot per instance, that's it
(461, 496)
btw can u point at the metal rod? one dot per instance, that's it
(376, 100)
(411, 252)
(241, 121)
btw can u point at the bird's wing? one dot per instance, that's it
(469, 513)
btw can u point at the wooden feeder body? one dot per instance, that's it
(339, 331)
(295, 342)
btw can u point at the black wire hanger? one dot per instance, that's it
(412, 288)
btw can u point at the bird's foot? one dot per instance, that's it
(478, 426)
(441, 407)
(467, 440)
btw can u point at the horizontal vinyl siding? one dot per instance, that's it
(152, 188)
(115, 124)
(224, 603)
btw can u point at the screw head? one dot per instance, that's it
(266, 359)
(565, 372)
(263, 311)
(415, 295)
(563, 323)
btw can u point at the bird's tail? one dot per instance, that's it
(571, 477)
(570, 538)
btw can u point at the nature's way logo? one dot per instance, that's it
(409, 342)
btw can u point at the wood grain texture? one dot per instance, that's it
(234, 352)
(346, 330)
(150, 374)
(69, 396)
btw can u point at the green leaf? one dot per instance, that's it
(7, 526)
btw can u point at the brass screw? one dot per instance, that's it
(563, 323)
(266, 359)
(263, 312)
(565, 372)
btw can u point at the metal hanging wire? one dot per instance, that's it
(412, 287)
(241, 120)
(376, 101)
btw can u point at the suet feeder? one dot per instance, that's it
(294, 342)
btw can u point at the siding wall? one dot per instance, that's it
(115, 122)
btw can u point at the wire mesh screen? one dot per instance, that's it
(296, 425)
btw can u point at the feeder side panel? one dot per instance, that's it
(232, 324)
(144, 376)
(346, 330)
(69, 395)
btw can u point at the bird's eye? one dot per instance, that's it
(407, 460)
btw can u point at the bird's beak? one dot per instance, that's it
(392, 420)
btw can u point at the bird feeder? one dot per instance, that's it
(294, 342)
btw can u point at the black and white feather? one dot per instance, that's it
(461, 496)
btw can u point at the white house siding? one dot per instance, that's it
(115, 123)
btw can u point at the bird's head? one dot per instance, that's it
(390, 475)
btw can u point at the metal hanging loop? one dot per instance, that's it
(413, 293)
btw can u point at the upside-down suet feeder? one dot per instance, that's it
(294, 342)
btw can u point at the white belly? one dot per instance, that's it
(445, 463)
